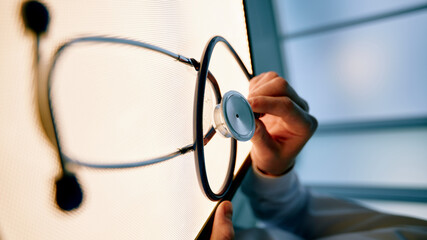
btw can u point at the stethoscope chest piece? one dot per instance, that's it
(234, 117)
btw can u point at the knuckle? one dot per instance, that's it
(287, 104)
(314, 124)
(255, 102)
(271, 74)
(310, 126)
(281, 83)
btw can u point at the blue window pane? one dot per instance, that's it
(370, 72)
(383, 158)
(295, 16)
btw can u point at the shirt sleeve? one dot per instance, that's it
(276, 201)
(283, 203)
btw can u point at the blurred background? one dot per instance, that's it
(362, 67)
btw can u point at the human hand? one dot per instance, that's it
(222, 228)
(284, 129)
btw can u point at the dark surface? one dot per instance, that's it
(36, 16)
(69, 194)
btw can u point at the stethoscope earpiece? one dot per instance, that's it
(233, 117)
(35, 16)
(69, 194)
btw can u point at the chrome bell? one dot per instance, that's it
(234, 117)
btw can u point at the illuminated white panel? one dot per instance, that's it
(162, 201)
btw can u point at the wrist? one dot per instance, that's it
(281, 173)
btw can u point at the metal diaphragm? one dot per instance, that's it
(234, 117)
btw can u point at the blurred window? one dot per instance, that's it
(361, 67)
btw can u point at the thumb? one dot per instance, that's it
(263, 142)
(222, 228)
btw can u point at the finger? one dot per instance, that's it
(261, 79)
(262, 140)
(264, 149)
(256, 78)
(222, 228)
(279, 87)
(297, 120)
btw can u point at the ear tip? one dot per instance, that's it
(69, 194)
(35, 16)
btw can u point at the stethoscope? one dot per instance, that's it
(233, 116)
